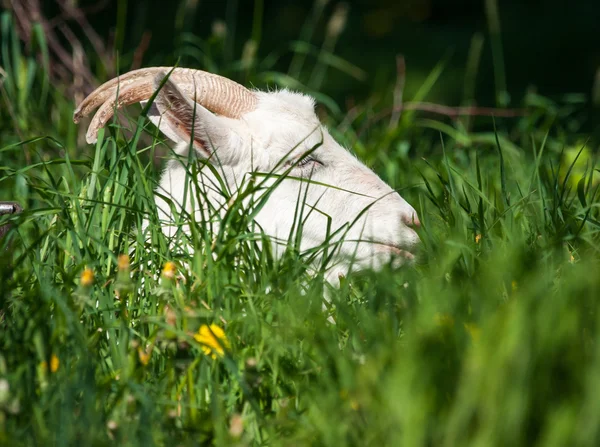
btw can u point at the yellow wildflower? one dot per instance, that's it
(87, 277)
(169, 270)
(477, 238)
(123, 262)
(144, 356)
(213, 340)
(54, 363)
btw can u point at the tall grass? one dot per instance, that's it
(490, 339)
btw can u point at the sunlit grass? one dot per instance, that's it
(110, 332)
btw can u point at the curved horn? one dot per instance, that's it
(216, 93)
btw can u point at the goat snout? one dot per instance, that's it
(411, 220)
(408, 235)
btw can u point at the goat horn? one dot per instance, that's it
(216, 93)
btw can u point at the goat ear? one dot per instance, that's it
(183, 120)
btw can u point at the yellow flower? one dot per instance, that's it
(169, 270)
(54, 363)
(87, 277)
(213, 340)
(477, 238)
(144, 356)
(123, 262)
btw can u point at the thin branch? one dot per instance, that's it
(456, 112)
(451, 112)
(28, 12)
(78, 16)
(138, 55)
(87, 10)
(351, 114)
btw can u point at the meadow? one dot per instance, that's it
(109, 334)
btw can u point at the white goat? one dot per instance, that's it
(242, 131)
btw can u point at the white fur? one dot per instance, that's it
(284, 127)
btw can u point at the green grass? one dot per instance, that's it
(490, 339)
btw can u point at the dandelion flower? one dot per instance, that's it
(477, 238)
(123, 262)
(213, 340)
(169, 270)
(123, 284)
(144, 356)
(54, 363)
(87, 277)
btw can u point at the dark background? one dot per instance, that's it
(553, 45)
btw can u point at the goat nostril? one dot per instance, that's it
(411, 220)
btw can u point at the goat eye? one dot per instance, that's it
(305, 161)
